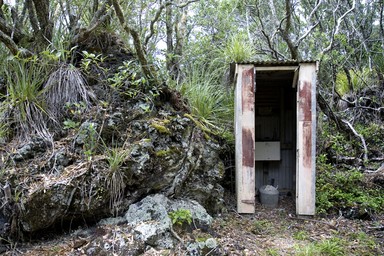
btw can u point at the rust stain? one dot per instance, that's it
(305, 100)
(248, 97)
(307, 144)
(248, 103)
(248, 148)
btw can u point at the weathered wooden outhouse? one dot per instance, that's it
(275, 129)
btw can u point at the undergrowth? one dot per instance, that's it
(341, 185)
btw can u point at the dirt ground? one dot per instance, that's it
(267, 232)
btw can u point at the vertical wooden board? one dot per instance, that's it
(245, 139)
(306, 140)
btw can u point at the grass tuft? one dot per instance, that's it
(24, 109)
(65, 86)
(115, 183)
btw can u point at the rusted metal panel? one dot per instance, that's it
(306, 140)
(245, 138)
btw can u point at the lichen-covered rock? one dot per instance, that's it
(82, 178)
(152, 224)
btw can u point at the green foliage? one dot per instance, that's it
(76, 109)
(359, 80)
(336, 189)
(115, 183)
(116, 158)
(211, 103)
(272, 252)
(23, 106)
(331, 247)
(129, 74)
(366, 243)
(180, 216)
(91, 139)
(373, 134)
(239, 49)
(70, 124)
(301, 235)
(260, 227)
(90, 59)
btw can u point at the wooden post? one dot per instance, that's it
(306, 140)
(245, 138)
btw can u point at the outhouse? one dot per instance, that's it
(275, 131)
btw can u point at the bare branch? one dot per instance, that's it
(32, 16)
(306, 33)
(12, 46)
(186, 3)
(97, 20)
(361, 138)
(157, 16)
(6, 29)
(42, 13)
(337, 26)
(313, 12)
(148, 70)
(153, 21)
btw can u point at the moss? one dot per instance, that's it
(201, 126)
(160, 126)
(162, 153)
(166, 152)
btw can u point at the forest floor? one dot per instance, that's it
(267, 232)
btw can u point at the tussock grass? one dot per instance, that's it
(24, 108)
(239, 49)
(115, 183)
(210, 101)
(64, 86)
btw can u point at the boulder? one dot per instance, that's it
(164, 152)
(152, 224)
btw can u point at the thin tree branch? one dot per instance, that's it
(148, 70)
(42, 13)
(6, 29)
(32, 16)
(153, 21)
(157, 16)
(306, 33)
(97, 20)
(361, 138)
(12, 46)
(337, 27)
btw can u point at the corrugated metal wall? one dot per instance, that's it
(275, 120)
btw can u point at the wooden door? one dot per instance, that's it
(306, 140)
(245, 138)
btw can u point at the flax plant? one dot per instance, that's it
(23, 107)
(211, 101)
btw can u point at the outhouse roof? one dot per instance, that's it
(275, 62)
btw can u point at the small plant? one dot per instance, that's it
(180, 216)
(76, 109)
(90, 59)
(260, 227)
(90, 138)
(333, 246)
(70, 124)
(210, 103)
(300, 235)
(272, 252)
(116, 157)
(129, 80)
